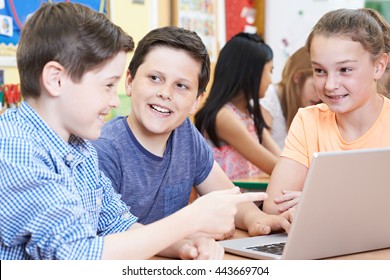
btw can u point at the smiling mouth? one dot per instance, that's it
(335, 97)
(161, 110)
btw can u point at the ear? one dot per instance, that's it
(296, 77)
(128, 83)
(52, 74)
(196, 104)
(380, 66)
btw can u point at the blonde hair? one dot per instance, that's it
(298, 66)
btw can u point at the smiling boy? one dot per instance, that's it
(155, 155)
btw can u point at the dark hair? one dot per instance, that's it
(176, 38)
(366, 26)
(74, 35)
(238, 71)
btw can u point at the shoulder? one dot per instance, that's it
(112, 135)
(312, 117)
(315, 110)
(228, 111)
(12, 125)
(187, 128)
(113, 127)
(19, 138)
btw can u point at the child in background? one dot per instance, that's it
(55, 203)
(384, 82)
(233, 126)
(348, 50)
(295, 90)
(155, 155)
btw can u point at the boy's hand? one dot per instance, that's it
(216, 211)
(201, 249)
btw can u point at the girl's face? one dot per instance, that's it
(266, 78)
(309, 95)
(344, 73)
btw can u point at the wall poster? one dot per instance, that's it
(13, 15)
(200, 16)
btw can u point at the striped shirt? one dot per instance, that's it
(55, 202)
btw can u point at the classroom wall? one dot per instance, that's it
(288, 23)
(8, 65)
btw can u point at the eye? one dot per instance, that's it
(182, 86)
(110, 86)
(154, 78)
(345, 70)
(319, 71)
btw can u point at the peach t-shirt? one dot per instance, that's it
(314, 129)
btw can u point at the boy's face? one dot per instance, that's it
(87, 103)
(163, 92)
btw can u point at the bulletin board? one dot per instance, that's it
(200, 16)
(13, 15)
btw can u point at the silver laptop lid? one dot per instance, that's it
(344, 205)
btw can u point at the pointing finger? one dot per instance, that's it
(250, 197)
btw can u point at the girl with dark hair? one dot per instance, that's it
(233, 126)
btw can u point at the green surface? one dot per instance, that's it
(252, 185)
(123, 109)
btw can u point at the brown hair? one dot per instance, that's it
(74, 35)
(176, 38)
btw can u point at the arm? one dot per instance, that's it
(266, 116)
(249, 217)
(212, 213)
(269, 143)
(288, 175)
(233, 132)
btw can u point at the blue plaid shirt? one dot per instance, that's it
(55, 203)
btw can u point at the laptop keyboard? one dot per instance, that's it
(275, 248)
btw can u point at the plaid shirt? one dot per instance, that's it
(55, 203)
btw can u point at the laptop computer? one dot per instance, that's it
(344, 209)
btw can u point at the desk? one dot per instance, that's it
(258, 183)
(383, 254)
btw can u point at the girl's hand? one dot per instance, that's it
(287, 200)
